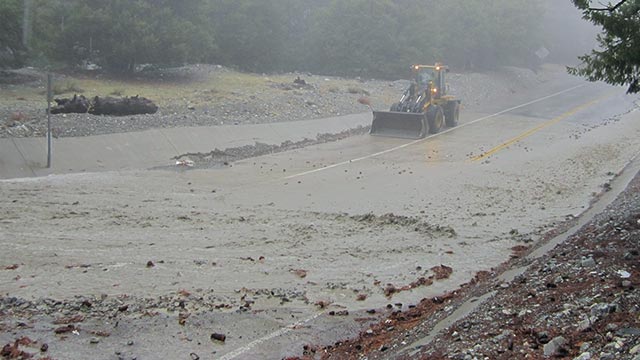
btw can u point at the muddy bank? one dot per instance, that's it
(217, 157)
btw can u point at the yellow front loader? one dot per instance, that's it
(424, 107)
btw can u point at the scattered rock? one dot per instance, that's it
(584, 356)
(588, 262)
(556, 347)
(218, 337)
(602, 309)
(299, 273)
(64, 329)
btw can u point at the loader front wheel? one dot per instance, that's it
(435, 117)
(425, 127)
(452, 114)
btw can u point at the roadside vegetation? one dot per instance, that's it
(617, 60)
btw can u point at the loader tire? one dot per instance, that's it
(435, 117)
(452, 113)
(425, 127)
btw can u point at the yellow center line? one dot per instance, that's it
(539, 127)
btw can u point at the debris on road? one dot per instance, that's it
(185, 162)
(299, 273)
(218, 337)
(567, 304)
(65, 329)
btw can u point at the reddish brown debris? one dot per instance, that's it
(442, 272)
(299, 273)
(69, 320)
(25, 341)
(100, 333)
(12, 351)
(322, 303)
(65, 329)
(182, 318)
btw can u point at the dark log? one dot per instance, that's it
(124, 106)
(77, 104)
(105, 106)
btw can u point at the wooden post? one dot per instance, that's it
(49, 99)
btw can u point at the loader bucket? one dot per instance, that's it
(399, 124)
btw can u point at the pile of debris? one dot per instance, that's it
(105, 106)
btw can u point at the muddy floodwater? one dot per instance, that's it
(284, 248)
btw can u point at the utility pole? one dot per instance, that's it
(49, 98)
(26, 24)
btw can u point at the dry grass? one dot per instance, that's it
(201, 87)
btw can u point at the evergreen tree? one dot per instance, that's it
(11, 47)
(618, 59)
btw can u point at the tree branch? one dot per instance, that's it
(610, 8)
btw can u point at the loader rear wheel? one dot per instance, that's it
(435, 117)
(452, 113)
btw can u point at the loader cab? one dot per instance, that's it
(425, 76)
(431, 78)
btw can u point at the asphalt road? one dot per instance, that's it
(291, 229)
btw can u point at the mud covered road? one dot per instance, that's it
(305, 246)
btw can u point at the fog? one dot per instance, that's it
(376, 38)
(566, 34)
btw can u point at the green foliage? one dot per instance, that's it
(120, 34)
(618, 59)
(357, 37)
(251, 33)
(11, 49)
(379, 38)
(382, 37)
(486, 34)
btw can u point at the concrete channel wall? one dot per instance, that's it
(27, 157)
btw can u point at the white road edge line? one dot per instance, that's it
(431, 136)
(237, 352)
